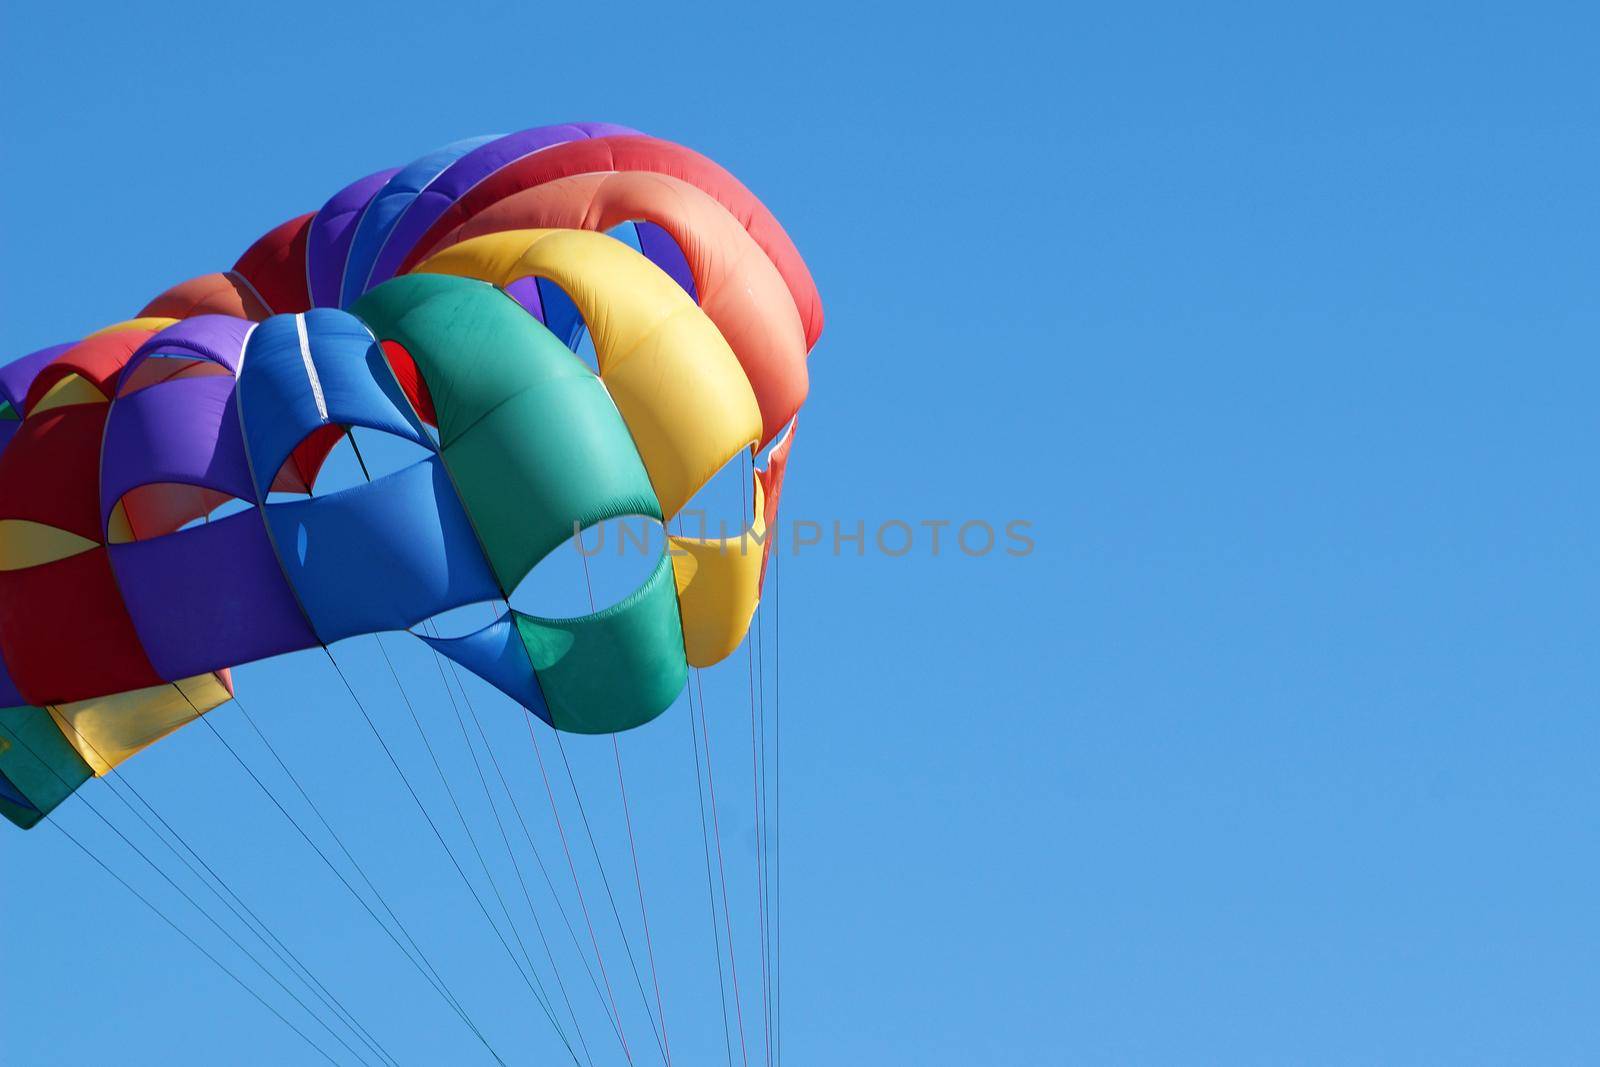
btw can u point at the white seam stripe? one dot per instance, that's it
(311, 370)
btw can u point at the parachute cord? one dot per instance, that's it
(540, 994)
(423, 965)
(17, 739)
(185, 935)
(758, 797)
(644, 915)
(506, 840)
(711, 893)
(572, 867)
(766, 840)
(440, 836)
(759, 794)
(638, 881)
(711, 785)
(187, 896)
(254, 923)
(366, 474)
(538, 857)
(604, 881)
(777, 790)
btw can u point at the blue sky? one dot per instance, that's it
(1277, 326)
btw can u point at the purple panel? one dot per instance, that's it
(468, 171)
(525, 291)
(183, 430)
(209, 597)
(18, 375)
(334, 227)
(217, 338)
(659, 247)
(9, 696)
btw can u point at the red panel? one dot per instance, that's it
(771, 488)
(276, 266)
(299, 472)
(411, 383)
(50, 471)
(639, 154)
(65, 634)
(99, 359)
(209, 294)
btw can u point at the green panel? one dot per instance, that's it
(40, 762)
(613, 670)
(529, 434)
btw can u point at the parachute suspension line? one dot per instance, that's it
(506, 839)
(644, 915)
(186, 936)
(425, 967)
(711, 893)
(17, 739)
(254, 923)
(759, 795)
(778, 800)
(539, 858)
(350, 432)
(195, 904)
(472, 839)
(765, 855)
(722, 871)
(616, 913)
(633, 851)
(367, 476)
(573, 869)
(538, 997)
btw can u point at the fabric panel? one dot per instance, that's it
(210, 597)
(381, 556)
(719, 584)
(497, 655)
(66, 634)
(332, 230)
(107, 730)
(615, 669)
(529, 435)
(679, 387)
(38, 762)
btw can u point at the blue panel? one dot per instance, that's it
(497, 655)
(9, 696)
(279, 403)
(385, 209)
(13, 794)
(660, 248)
(381, 556)
(561, 315)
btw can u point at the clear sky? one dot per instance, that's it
(1279, 328)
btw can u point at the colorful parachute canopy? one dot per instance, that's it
(440, 303)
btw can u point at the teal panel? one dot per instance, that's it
(39, 762)
(613, 670)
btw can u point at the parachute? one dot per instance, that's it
(159, 515)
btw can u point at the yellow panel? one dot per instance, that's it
(676, 382)
(119, 530)
(719, 585)
(109, 729)
(25, 543)
(73, 389)
(150, 322)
